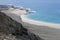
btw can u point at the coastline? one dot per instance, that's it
(39, 23)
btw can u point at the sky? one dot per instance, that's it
(17, 2)
(33, 3)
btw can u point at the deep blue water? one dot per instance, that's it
(47, 10)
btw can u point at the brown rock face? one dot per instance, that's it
(10, 26)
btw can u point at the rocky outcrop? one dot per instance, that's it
(7, 37)
(8, 26)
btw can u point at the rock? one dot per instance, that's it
(7, 37)
(10, 26)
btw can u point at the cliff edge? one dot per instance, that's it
(13, 30)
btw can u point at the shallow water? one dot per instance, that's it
(47, 10)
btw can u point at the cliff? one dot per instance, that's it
(10, 29)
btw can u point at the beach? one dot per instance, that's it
(47, 31)
(40, 23)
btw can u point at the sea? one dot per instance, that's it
(46, 10)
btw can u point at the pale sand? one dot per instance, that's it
(40, 23)
(15, 11)
(47, 31)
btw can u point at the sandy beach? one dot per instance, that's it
(47, 31)
(40, 23)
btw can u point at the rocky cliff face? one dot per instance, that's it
(13, 30)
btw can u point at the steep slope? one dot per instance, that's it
(8, 26)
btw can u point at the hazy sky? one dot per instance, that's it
(17, 2)
(34, 3)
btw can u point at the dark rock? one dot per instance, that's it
(10, 26)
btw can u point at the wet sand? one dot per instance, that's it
(44, 31)
(40, 23)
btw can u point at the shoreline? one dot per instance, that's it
(39, 23)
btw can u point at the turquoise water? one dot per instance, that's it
(47, 10)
